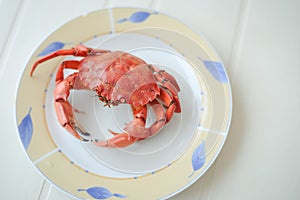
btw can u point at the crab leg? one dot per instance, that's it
(63, 108)
(172, 89)
(79, 50)
(168, 82)
(167, 76)
(169, 103)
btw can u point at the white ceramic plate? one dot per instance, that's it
(171, 160)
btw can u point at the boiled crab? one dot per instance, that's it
(117, 78)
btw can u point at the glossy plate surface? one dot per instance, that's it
(171, 160)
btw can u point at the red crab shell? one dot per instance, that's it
(119, 77)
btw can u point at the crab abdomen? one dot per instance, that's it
(119, 76)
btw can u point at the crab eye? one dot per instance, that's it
(122, 100)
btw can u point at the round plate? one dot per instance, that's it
(172, 159)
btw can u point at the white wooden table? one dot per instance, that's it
(259, 42)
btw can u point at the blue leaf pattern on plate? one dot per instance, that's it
(216, 69)
(54, 46)
(25, 129)
(101, 193)
(198, 158)
(136, 17)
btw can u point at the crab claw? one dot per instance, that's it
(137, 129)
